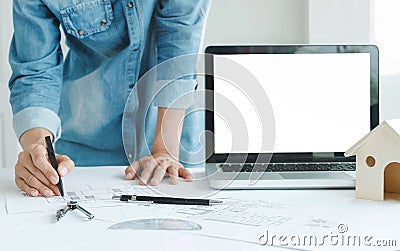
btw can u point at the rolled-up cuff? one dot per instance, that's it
(37, 117)
(176, 94)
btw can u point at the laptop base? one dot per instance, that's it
(279, 180)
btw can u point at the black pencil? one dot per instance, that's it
(53, 161)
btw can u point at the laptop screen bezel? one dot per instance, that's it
(285, 49)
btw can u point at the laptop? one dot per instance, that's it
(282, 116)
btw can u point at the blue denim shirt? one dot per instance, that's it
(112, 43)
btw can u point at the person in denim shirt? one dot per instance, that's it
(112, 43)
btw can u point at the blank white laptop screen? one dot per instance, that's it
(320, 102)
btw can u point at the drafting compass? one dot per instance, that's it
(72, 205)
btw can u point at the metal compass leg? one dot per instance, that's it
(72, 205)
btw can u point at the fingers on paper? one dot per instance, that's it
(154, 169)
(24, 161)
(30, 184)
(178, 170)
(185, 173)
(147, 164)
(26, 170)
(159, 172)
(173, 175)
(39, 157)
(132, 170)
(24, 187)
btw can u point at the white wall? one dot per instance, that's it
(257, 22)
(387, 37)
(340, 21)
(363, 21)
(8, 143)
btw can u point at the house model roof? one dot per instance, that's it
(392, 124)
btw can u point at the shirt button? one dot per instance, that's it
(130, 156)
(131, 86)
(130, 4)
(81, 32)
(103, 22)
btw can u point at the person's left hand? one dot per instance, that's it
(152, 169)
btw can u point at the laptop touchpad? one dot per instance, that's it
(316, 175)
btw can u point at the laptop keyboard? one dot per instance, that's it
(287, 167)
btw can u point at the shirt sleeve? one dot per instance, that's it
(36, 60)
(179, 29)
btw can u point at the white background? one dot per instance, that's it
(321, 102)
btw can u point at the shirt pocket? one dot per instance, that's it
(87, 18)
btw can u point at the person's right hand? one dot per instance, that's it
(34, 174)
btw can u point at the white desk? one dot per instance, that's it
(39, 231)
